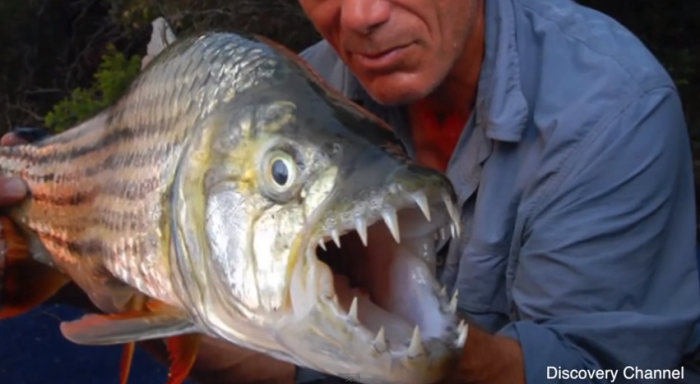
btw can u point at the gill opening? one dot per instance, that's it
(251, 240)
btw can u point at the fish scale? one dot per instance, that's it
(113, 171)
(195, 203)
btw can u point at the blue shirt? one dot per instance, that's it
(576, 184)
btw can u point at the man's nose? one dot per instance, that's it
(364, 16)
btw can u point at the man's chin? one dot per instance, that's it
(396, 89)
(394, 97)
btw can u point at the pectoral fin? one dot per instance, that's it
(125, 327)
(24, 282)
(141, 306)
(127, 357)
(183, 353)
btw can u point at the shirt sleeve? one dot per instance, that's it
(607, 277)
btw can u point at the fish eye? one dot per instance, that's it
(282, 170)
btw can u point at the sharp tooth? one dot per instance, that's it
(380, 341)
(450, 207)
(454, 216)
(443, 291)
(336, 237)
(361, 227)
(392, 222)
(462, 331)
(422, 202)
(454, 231)
(442, 234)
(453, 302)
(415, 349)
(352, 313)
(322, 244)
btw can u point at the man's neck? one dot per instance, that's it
(437, 121)
(457, 93)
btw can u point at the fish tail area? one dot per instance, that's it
(24, 282)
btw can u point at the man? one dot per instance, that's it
(566, 142)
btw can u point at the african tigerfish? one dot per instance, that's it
(202, 201)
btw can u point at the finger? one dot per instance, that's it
(12, 138)
(12, 190)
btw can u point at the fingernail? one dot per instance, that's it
(13, 187)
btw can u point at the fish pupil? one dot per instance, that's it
(280, 173)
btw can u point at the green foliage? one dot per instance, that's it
(51, 48)
(113, 76)
(279, 20)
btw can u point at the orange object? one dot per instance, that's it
(435, 138)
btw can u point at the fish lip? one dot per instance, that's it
(442, 203)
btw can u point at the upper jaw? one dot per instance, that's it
(430, 202)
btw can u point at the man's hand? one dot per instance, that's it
(12, 190)
(488, 359)
(218, 362)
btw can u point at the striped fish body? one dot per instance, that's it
(98, 209)
(100, 192)
(198, 203)
(102, 195)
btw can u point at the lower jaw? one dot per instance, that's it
(329, 344)
(320, 290)
(409, 305)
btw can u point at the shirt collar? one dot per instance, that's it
(500, 105)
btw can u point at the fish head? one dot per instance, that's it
(304, 231)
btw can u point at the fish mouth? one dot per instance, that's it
(375, 271)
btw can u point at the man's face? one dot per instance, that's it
(400, 50)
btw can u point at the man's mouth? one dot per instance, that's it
(377, 267)
(380, 60)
